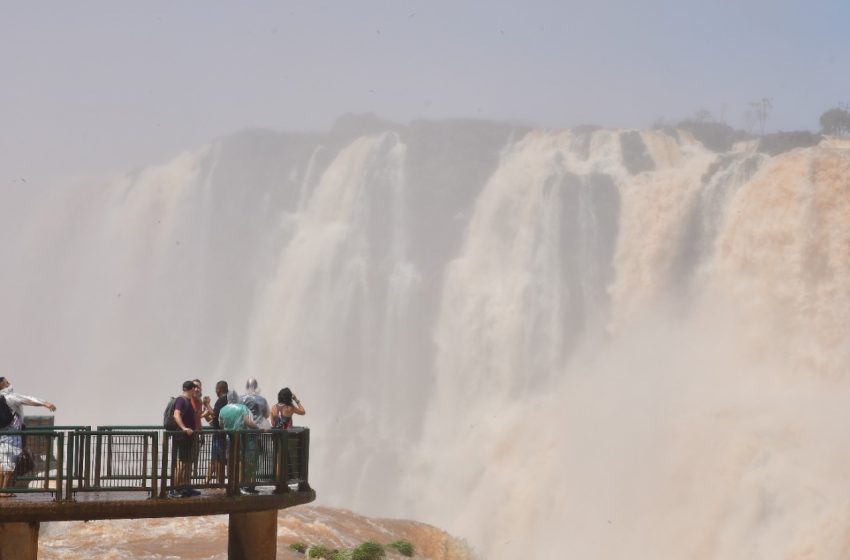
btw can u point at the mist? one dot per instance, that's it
(545, 338)
(100, 89)
(594, 340)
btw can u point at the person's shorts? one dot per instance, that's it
(219, 448)
(10, 448)
(183, 447)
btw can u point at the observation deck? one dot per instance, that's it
(126, 472)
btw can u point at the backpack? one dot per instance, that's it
(25, 463)
(6, 414)
(168, 421)
(252, 404)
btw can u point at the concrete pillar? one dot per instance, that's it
(19, 541)
(252, 536)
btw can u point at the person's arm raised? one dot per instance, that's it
(297, 407)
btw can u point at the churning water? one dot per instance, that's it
(578, 344)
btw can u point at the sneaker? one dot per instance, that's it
(175, 494)
(248, 491)
(191, 492)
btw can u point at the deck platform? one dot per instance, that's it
(131, 505)
(127, 472)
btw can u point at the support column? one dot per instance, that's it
(252, 536)
(19, 541)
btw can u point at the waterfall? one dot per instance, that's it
(554, 343)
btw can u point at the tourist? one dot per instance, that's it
(184, 416)
(201, 404)
(237, 416)
(219, 443)
(257, 403)
(10, 445)
(287, 406)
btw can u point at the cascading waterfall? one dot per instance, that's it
(580, 343)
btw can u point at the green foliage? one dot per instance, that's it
(320, 551)
(835, 121)
(298, 547)
(341, 555)
(404, 547)
(368, 551)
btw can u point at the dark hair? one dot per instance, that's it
(222, 386)
(187, 385)
(2, 379)
(284, 396)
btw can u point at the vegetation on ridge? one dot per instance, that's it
(368, 550)
(835, 121)
(404, 547)
(719, 137)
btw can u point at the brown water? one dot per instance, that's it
(206, 537)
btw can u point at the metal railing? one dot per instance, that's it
(48, 451)
(76, 459)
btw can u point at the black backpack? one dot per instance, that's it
(168, 421)
(6, 414)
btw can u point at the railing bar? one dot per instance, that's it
(122, 459)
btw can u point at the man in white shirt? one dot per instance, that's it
(10, 445)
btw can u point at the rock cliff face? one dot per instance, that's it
(523, 336)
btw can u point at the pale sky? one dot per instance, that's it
(95, 87)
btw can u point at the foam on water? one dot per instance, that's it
(602, 342)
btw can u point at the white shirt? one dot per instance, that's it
(17, 401)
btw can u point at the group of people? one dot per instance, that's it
(231, 411)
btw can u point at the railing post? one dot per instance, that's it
(60, 465)
(304, 484)
(154, 463)
(280, 461)
(86, 473)
(163, 487)
(98, 463)
(69, 464)
(233, 463)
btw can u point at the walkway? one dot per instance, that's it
(115, 472)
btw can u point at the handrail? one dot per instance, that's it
(76, 459)
(47, 448)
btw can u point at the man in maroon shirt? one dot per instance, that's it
(184, 415)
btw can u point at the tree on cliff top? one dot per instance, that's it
(835, 121)
(756, 115)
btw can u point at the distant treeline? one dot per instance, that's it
(719, 136)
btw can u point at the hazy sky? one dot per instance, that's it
(92, 87)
